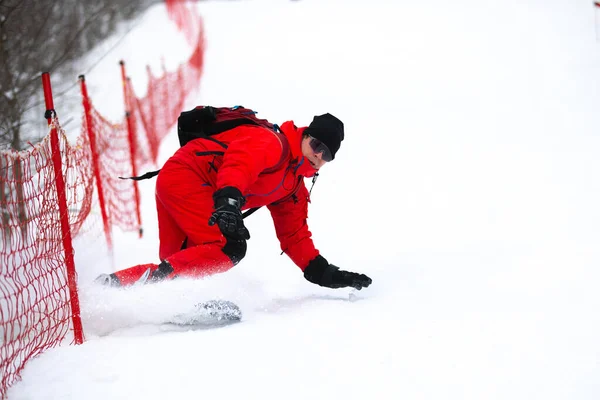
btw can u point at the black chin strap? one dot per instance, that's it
(314, 180)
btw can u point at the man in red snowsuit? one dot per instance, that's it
(202, 189)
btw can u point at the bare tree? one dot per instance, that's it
(38, 36)
(42, 35)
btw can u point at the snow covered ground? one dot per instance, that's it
(467, 187)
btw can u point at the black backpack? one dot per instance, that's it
(207, 121)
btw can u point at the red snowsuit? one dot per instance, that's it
(184, 202)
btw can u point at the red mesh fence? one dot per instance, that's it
(113, 150)
(186, 18)
(165, 97)
(37, 309)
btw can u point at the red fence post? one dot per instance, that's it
(63, 211)
(166, 105)
(183, 89)
(132, 145)
(597, 5)
(151, 125)
(87, 107)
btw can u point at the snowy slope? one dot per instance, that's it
(467, 188)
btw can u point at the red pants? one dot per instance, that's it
(184, 204)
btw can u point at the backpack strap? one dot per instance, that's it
(147, 175)
(249, 212)
(285, 150)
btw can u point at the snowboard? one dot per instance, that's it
(211, 313)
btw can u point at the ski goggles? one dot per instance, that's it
(319, 147)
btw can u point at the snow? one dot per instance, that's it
(467, 187)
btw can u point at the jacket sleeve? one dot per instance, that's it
(252, 151)
(292, 231)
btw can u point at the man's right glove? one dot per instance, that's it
(320, 272)
(228, 214)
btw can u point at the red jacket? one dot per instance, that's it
(250, 150)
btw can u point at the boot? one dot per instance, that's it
(162, 272)
(109, 280)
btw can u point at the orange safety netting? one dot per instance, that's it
(164, 100)
(35, 308)
(186, 18)
(114, 160)
(36, 290)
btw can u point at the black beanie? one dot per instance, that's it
(329, 130)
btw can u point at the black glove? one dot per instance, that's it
(228, 214)
(322, 273)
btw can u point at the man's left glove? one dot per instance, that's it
(322, 273)
(228, 214)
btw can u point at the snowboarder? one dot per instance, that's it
(203, 188)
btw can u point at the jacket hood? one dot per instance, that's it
(294, 136)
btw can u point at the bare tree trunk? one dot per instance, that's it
(21, 209)
(4, 200)
(42, 35)
(19, 184)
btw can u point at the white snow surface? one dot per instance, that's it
(468, 188)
